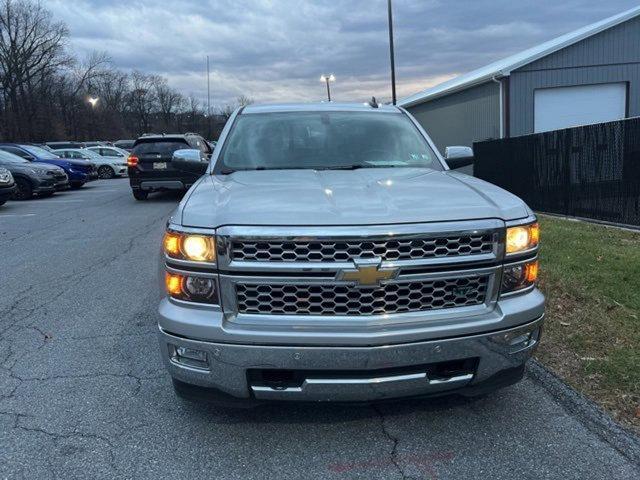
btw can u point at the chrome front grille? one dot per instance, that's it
(346, 250)
(337, 300)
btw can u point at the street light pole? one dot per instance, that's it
(208, 102)
(327, 79)
(391, 53)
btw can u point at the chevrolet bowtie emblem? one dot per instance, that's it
(367, 272)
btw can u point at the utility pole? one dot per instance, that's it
(208, 101)
(391, 53)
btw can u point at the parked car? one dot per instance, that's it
(329, 253)
(7, 185)
(124, 144)
(150, 168)
(33, 178)
(110, 151)
(78, 171)
(108, 167)
(59, 145)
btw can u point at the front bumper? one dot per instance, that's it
(44, 185)
(7, 191)
(358, 373)
(62, 184)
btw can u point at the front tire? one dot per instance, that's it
(106, 172)
(24, 191)
(140, 195)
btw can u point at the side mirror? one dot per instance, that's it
(190, 160)
(458, 157)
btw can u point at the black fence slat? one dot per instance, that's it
(591, 171)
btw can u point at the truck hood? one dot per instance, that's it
(365, 196)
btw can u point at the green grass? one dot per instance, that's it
(591, 276)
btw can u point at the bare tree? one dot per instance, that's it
(169, 102)
(31, 52)
(44, 91)
(141, 100)
(227, 110)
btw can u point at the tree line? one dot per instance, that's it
(48, 94)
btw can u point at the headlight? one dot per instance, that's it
(191, 288)
(192, 247)
(5, 176)
(522, 238)
(519, 276)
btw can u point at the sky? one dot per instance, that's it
(276, 50)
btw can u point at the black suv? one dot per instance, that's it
(150, 167)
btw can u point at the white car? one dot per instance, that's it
(108, 166)
(111, 152)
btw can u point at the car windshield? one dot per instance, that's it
(40, 152)
(6, 157)
(325, 140)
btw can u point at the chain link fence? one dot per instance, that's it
(591, 171)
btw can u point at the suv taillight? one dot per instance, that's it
(132, 161)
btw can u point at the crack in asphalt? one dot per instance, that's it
(57, 437)
(77, 277)
(393, 455)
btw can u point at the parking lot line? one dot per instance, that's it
(18, 215)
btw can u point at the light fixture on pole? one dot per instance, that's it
(328, 78)
(93, 101)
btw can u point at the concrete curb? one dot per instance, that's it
(587, 412)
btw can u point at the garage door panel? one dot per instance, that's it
(564, 107)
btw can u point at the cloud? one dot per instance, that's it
(275, 50)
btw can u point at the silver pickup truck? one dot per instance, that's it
(328, 253)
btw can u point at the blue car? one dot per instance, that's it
(78, 171)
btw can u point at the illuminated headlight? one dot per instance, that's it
(192, 247)
(191, 288)
(519, 276)
(522, 238)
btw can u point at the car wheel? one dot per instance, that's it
(140, 194)
(76, 185)
(24, 189)
(105, 171)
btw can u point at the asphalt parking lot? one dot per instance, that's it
(83, 393)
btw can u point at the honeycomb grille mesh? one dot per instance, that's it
(344, 251)
(351, 300)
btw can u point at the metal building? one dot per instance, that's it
(591, 75)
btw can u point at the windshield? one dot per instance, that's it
(40, 152)
(6, 157)
(325, 140)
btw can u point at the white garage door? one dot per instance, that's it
(564, 107)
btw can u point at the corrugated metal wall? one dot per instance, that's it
(610, 56)
(461, 118)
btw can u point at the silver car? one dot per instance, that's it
(329, 253)
(108, 166)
